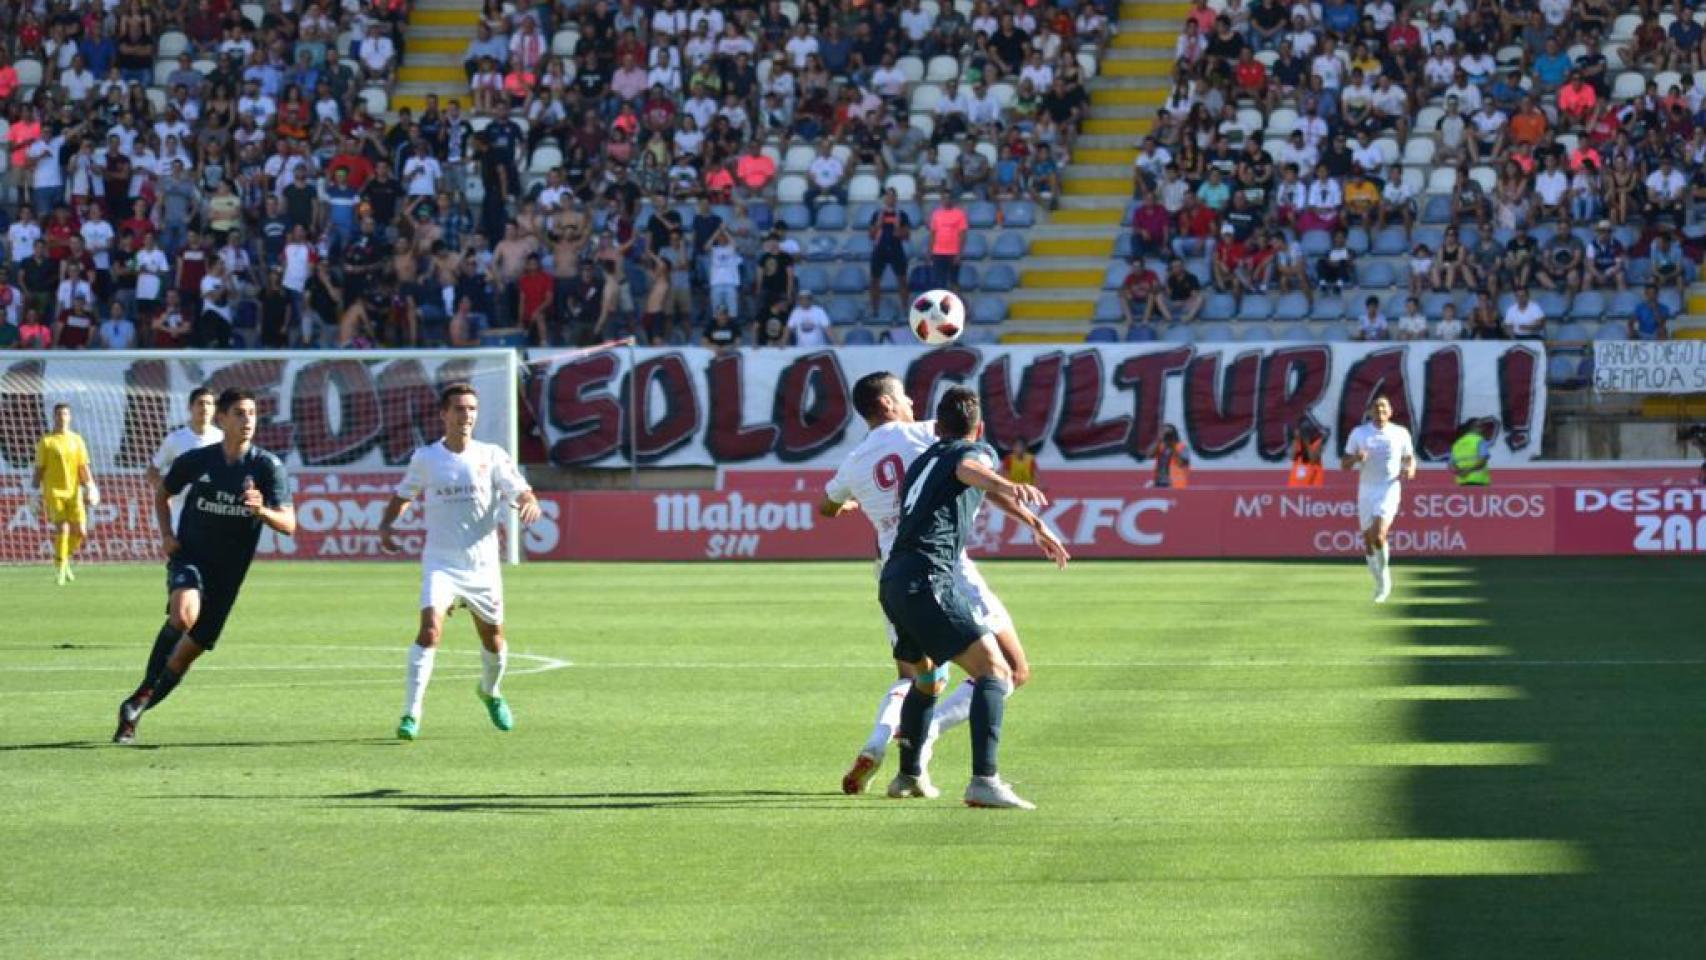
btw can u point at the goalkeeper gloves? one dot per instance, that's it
(91, 494)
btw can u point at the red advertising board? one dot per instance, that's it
(772, 515)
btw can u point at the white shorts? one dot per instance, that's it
(991, 613)
(480, 591)
(1377, 503)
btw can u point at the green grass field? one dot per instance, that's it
(1231, 760)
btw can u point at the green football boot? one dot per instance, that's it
(407, 727)
(497, 709)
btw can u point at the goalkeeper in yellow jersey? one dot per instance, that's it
(62, 474)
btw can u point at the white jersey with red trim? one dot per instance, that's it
(874, 472)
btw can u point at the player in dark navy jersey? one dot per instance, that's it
(933, 620)
(230, 489)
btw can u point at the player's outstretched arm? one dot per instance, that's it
(1047, 542)
(527, 505)
(975, 473)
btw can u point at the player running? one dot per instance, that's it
(63, 476)
(229, 490)
(1382, 450)
(197, 433)
(467, 483)
(870, 479)
(932, 617)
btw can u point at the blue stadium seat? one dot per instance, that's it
(842, 312)
(889, 283)
(980, 214)
(1215, 333)
(862, 214)
(1503, 236)
(1436, 208)
(820, 248)
(1114, 275)
(1140, 333)
(1433, 304)
(857, 246)
(1469, 235)
(970, 278)
(987, 311)
(921, 277)
(1000, 278)
(1292, 333)
(1552, 303)
(1432, 236)
(1356, 240)
(890, 312)
(1009, 245)
(1570, 333)
(762, 215)
(913, 212)
(1670, 298)
(1108, 309)
(1291, 306)
(858, 337)
(851, 279)
(813, 278)
(1019, 214)
(1390, 242)
(1219, 306)
(795, 216)
(1623, 304)
(1177, 333)
(1334, 333)
(832, 216)
(1588, 305)
(1315, 243)
(1639, 270)
(976, 246)
(1543, 234)
(1626, 235)
(1256, 307)
(1377, 274)
(1102, 333)
(1330, 308)
(1562, 370)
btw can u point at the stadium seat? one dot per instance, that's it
(924, 98)
(1390, 242)
(850, 279)
(923, 123)
(864, 188)
(1377, 274)
(1552, 303)
(1329, 308)
(1107, 309)
(820, 248)
(812, 278)
(842, 312)
(1000, 278)
(1443, 180)
(903, 184)
(857, 246)
(941, 69)
(1427, 120)
(1215, 333)
(1291, 306)
(544, 159)
(1256, 307)
(1019, 214)
(798, 159)
(1638, 271)
(1102, 333)
(976, 246)
(1292, 333)
(563, 42)
(171, 43)
(1140, 333)
(970, 278)
(1113, 275)
(1432, 236)
(912, 67)
(1356, 240)
(1281, 122)
(1316, 243)
(794, 216)
(987, 311)
(1009, 245)
(921, 277)
(1573, 333)
(1588, 305)
(831, 216)
(1333, 333)
(1436, 208)
(790, 191)
(1433, 304)
(1562, 370)
(1419, 152)
(1219, 306)
(858, 337)
(1177, 333)
(374, 97)
(980, 214)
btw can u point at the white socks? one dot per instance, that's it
(1374, 565)
(492, 670)
(415, 681)
(888, 719)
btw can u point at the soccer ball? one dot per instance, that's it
(938, 316)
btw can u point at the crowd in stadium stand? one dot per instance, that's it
(203, 174)
(1494, 154)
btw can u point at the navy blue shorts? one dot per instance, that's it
(217, 599)
(931, 617)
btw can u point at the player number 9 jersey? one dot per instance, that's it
(874, 473)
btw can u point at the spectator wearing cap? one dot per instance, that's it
(1651, 320)
(1605, 260)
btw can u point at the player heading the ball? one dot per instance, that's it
(230, 489)
(466, 485)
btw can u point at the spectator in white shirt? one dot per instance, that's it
(77, 81)
(1552, 185)
(800, 46)
(22, 235)
(1450, 327)
(1412, 323)
(1371, 325)
(377, 54)
(1666, 187)
(527, 47)
(809, 324)
(1367, 156)
(1489, 139)
(826, 173)
(916, 22)
(1524, 320)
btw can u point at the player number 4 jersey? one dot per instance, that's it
(465, 496)
(874, 472)
(1386, 448)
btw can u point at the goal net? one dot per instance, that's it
(345, 423)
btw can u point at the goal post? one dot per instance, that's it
(344, 421)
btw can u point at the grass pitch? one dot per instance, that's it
(1232, 760)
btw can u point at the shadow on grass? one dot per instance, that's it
(392, 799)
(221, 744)
(1623, 780)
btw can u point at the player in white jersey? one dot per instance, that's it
(467, 485)
(1382, 451)
(197, 433)
(870, 480)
